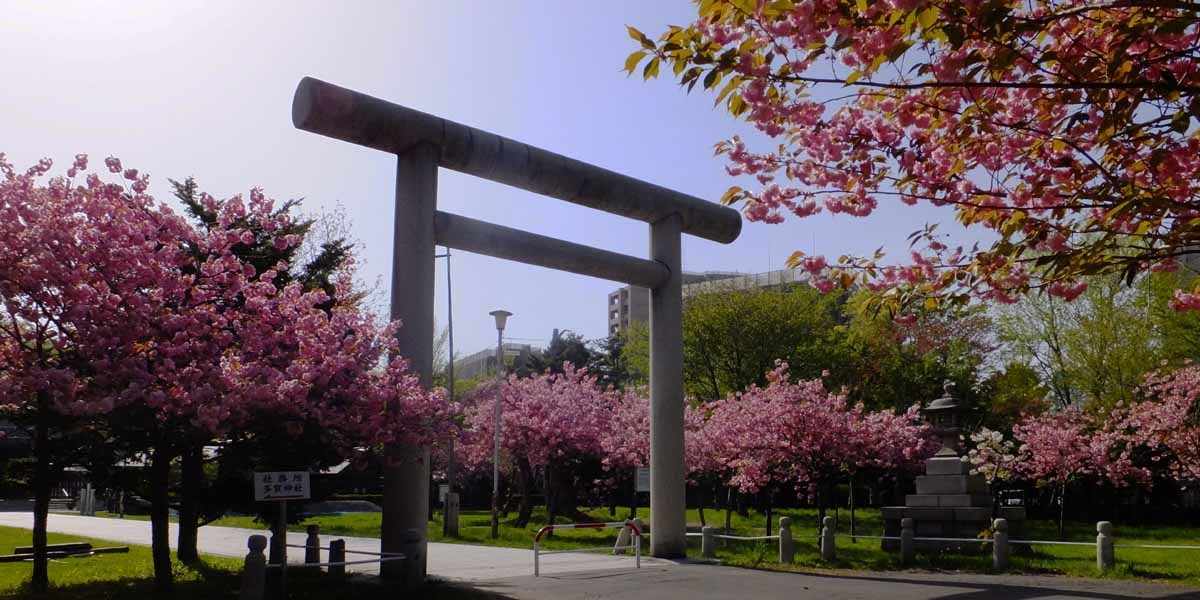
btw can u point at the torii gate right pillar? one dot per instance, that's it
(668, 470)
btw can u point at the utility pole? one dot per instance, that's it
(447, 529)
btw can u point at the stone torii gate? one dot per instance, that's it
(422, 143)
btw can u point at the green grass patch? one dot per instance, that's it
(130, 577)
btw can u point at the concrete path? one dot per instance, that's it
(452, 561)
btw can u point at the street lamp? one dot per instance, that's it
(501, 317)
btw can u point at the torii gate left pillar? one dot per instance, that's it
(406, 478)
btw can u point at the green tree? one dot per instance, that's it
(732, 338)
(1016, 390)
(892, 364)
(1093, 352)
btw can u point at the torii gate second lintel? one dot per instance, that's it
(422, 143)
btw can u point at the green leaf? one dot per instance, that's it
(651, 69)
(855, 76)
(731, 195)
(1180, 122)
(713, 78)
(640, 37)
(862, 6)
(632, 61)
(928, 17)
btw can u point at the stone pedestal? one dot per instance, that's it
(950, 502)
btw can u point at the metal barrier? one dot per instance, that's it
(254, 570)
(1104, 545)
(635, 534)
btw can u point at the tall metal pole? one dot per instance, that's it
(406, 476)
(496, 424)
(446, 526)
(668, 471)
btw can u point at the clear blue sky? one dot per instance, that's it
(205, 88)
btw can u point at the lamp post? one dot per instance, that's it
(501, 317)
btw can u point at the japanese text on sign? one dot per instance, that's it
(281, 485)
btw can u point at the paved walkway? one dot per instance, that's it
(696, 581)
(507, 572)
(452, 561)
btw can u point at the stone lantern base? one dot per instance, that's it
(952, 503)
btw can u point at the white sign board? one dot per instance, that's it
(643, 479)
(282, 485)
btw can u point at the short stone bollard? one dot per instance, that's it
(828, 533)
(254, 570)
(908, 545)
(312, 545)
(708, 542)
(1000, 544)
(787, 548)
(1105, 558)
(337, 554)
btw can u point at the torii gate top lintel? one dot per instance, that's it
(347, 115)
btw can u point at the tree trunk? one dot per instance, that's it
(729, 511)
(853, 523)
(767, 499)
(160, 546)
(820, 506)
(1062, 507)
(562, 484)
(189, 507)
(633, 497)
(525, 484)
(40, 580)
(700, 503)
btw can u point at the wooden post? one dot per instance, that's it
(254, 570)
(787, 548)
(337, 554)
(312, 545)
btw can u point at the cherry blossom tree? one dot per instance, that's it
(799, 434)
(122, 319)
(1058, 448)
(551, 421)
(86, 268)
(1167, 422)
(1066, 130)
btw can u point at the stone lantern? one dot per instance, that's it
(951, 501)
(946, 418)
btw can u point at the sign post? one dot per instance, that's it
(281, 486)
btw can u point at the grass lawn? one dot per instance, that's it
(130, 577)
(1181, 566)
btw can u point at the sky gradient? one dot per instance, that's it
(204, 89)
